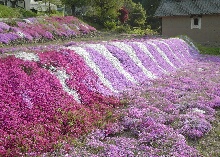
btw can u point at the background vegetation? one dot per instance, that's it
(138, 16)
(104, 15)
(7, 12)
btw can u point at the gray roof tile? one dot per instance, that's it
(187, 7)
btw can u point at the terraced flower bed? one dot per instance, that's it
(42, 29)
(160, 119)
(137, 97)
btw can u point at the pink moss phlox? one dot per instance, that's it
(38, 29)
(36, 113)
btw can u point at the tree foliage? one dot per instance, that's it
(75, 3)
(108, 13)
(107, 10)
(137, 14)
(151, 6)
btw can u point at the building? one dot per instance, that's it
(20, 3)
(198, 19)
(31, 4)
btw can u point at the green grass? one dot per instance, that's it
(204, 48)
(208, 50)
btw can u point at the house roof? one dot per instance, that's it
(187, 7)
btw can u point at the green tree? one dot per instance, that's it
(137, 14)
(75, 3)
(151, 6)
(107, 10)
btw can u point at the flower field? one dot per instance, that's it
(42, 29)
(137, 97)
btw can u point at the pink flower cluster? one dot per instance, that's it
(36, 113)
(43, 29)
(48, 98)
(82, 78)
(160, 116)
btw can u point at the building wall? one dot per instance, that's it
(2, 2)
(23, 4)
(181, 25)
(27, 4)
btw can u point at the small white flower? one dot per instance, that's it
(198, 110)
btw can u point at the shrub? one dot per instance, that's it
(7, 12)
(137, 14)
(106, 10)
(27, 13)
(110, 25)
(123, 29)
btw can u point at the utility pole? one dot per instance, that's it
(49, 8)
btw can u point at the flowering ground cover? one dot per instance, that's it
(160, 118)
(42, 29)
(138, 97)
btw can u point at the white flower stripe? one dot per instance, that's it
(62, 76)
(178, 48)
(26, 56)
(128, 49)
(115, 62)
(162, 54)
(82, 52)
(186, 48)
(147, 52)
(171, 51)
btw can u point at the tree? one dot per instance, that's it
(151, 6)
(107, 10)
(137, 14)
(75, 3)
